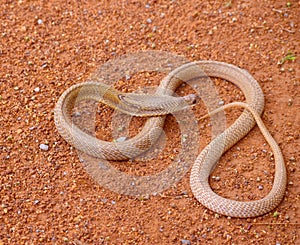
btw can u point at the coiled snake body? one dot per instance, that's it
(140, 105)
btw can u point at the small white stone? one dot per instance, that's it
(37, 89)
(44, 147)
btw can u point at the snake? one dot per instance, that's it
(156, 107)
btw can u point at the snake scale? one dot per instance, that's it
(156, 108)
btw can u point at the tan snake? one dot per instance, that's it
(163, 103)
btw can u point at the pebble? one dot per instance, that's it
(44, 65)
(187, 242)
(292, 159)
(39, 21)
(19, 131)
(37, 89)
(44, 147)
(260, 187)
(216, 178)
(149, 21)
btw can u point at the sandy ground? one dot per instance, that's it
(47, 197)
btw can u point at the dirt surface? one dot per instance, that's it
(47, 197)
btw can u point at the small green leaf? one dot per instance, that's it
(9, 138)
(290, 56)
(275, 214)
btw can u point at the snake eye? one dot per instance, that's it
(191, 99)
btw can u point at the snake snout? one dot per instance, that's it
(191, 99)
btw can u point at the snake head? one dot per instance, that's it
(191, 99)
